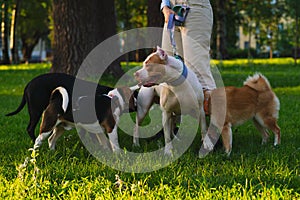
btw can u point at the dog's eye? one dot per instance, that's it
(148, 65)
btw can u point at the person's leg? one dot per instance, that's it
(196, 35)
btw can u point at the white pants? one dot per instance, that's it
(193, 40)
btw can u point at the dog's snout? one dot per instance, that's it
(136, 74)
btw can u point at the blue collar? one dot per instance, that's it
(181, 78)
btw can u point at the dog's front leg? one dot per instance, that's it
(227, 138)
(144, 102)
(113, 138)
(102, 139)
(202, 121)
(167, 123)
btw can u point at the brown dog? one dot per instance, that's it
(255, 100)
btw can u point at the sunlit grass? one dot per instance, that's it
(25, 66)
(252, 172)
(245, 62)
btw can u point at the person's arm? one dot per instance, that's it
(166, 10)
(165, 3)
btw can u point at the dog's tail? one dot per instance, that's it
(21, 106)
(61, 93)
(258, 82)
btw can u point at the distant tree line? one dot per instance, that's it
(74, 27)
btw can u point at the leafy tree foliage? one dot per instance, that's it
(33, 24)
(273, 23)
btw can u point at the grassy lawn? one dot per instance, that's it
(252, 171)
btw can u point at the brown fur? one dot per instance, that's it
(128, 98)
(155, 72)
(233, 106)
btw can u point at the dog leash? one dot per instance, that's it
(176, 19)
(171, 30)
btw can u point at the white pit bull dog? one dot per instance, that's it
(180, 91)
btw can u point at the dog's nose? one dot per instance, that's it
(136, 74)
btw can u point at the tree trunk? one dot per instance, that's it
(5, 33)
(27, 49)
(249, 40)
(221, 29)
(155, 17)
(154, 14)
(79, 26)
(13, 33)
(296, 38)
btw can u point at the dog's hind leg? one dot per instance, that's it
(57, 132)
(270, 123)
(40, 138)
(262, 130)
(49, 122)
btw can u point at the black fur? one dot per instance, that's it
(37, 94)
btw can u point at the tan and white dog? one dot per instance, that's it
(180, 91)
(255, 100)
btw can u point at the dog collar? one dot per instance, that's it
(181, 78)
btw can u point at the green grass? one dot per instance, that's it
(253, 171)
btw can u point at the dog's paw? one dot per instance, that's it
(136, 143)
(228, 152)
(169, 149)
(115, 149)
(51, 147)
(207, 143)
(38, 143)
(203, 152)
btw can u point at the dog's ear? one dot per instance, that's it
(161, 53)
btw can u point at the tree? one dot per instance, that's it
(33, 24)
(154, 15)
(13, 32)
(294, 8)
(79, 26)
(132, 14)
(221, 42)
(5, 33)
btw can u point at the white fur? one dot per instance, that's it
(144, 102)
(40, 138)
(133, 88)
(65, 97)
(255, 77)
(207, 143)
(116, 93)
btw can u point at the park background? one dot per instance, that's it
(248, 36)
(64, 32)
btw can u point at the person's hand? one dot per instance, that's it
(167, 11)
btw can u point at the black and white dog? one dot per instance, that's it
(38, 91)
(37, 94)
(94, 114)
